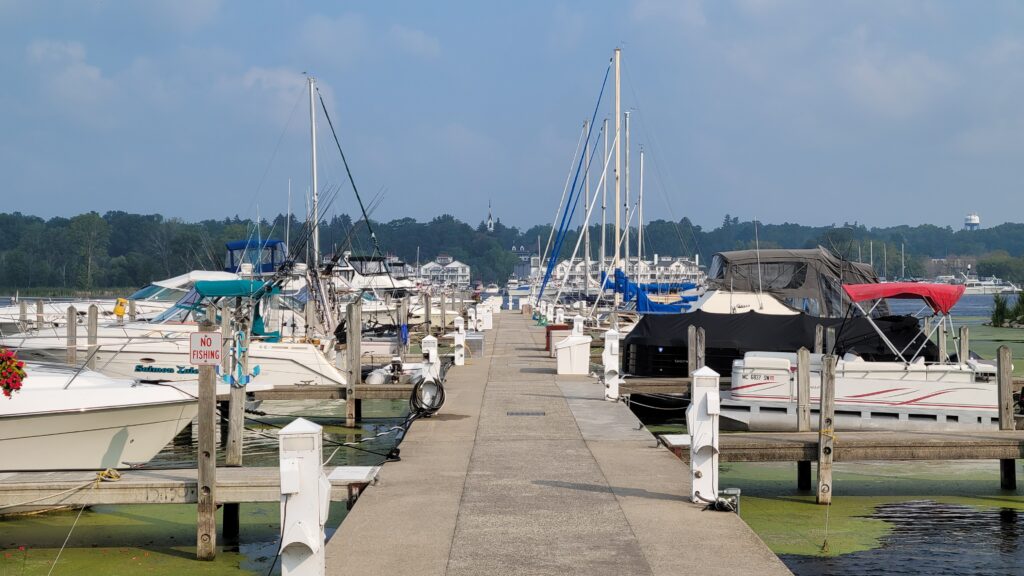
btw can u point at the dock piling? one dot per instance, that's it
(40, 319)
(830, 340)
(131, 310)
(236, 398)
(701, 356)
(940, 336)
(819, 332)
(91, 329)
(72, 331)
(354, 376)
(1004, 367)
(963, 353)
(206, 508)
(691, 351)
(23, 315)
(803, 412)
(826, 429)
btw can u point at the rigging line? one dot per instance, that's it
(657, 166)
(575, 180)
(273, 154)
(565, 190)
(373, 236)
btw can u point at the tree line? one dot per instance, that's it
(119, 249)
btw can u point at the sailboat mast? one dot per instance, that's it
(586, 222)
(903, 268)
(625, 204)
(316, 196)
(640, 224)
(604, 194)
(618, 164)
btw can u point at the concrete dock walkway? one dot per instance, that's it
(526, 472)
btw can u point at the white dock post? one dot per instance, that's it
(431, 362)
(459, 344)
(206, 507)
(72, 328)
(559, 315)
(91, 329)
(702, 424)
(487, 320)
(472, 319)
(305, 499)
(610, 363)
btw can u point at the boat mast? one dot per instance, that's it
(316, 197)
(903, 268)
(618, 164)
(640, 223)
(604, 194)
(625, 204)
(586, 222)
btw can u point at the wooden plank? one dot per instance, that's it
(173, 486)
(866, 446)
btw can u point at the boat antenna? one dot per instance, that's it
(288, 222)
(757, 251)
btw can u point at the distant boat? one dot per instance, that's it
(974, 285)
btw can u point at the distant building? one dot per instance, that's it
(490, 220)
(972, 221)
(446, 271)
(523, 268)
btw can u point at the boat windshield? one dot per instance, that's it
(156, 293)
(190, 309)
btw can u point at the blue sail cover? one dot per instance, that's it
(631, 291)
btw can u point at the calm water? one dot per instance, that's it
(973, 306)
(932, 538)
(160, 539)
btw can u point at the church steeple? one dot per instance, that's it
(490, 220)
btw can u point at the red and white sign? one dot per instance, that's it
(204, 348)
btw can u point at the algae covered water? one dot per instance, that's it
(160, 539)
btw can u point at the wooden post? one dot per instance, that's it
(72, 328)
(826, 429)
(206, 518)
(1004, 368)
(963, 354)
(428, 309)
(444, 313)
(236, 397)
(91, 329)
(23, 315)
(803, 390)
(40, 318)
(940, 336)
(691, 350)
(354, 375)
(803, 412)
(700, 348)
(131, 310)
(830, 340)
(819, 340)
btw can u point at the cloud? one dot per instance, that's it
(337, 40)
(415, 42)
(689, 13)
(183, 15)
(67, 79)
(897, 85)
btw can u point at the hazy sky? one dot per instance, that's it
(811, 112)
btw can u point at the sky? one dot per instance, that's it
(812, 112)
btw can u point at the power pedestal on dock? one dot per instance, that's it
(305, 499)
(702, 424)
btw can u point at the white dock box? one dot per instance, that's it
(573, 353)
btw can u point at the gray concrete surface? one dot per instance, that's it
(580, 489)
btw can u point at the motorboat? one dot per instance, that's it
(158, 350)
(907, 393)
(149, 302)
(69, 419)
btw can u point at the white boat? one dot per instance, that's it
(158, 350)
(908, 394)
(150, 301)
(59, 421)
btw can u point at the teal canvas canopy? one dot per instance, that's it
(234, 288)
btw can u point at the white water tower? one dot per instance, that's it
(972, 221)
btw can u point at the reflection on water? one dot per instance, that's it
(932, 538)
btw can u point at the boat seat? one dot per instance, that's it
(765, 363)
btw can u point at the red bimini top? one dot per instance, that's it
(941, 297)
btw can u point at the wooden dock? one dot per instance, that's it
(169, 486)
(332, 392)
(525, 472)
(861, 446)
